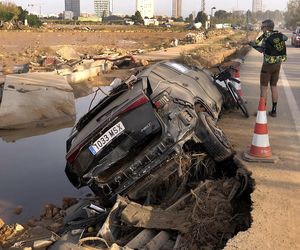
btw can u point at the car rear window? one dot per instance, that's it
(177, 66)
(170, 70)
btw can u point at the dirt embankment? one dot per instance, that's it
(32, 47)
(219, 47)
(19, 47)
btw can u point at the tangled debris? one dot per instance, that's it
(67, 61)
(195, 37)
(214, 217)
(205, 216)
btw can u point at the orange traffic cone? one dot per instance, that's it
(260, 150)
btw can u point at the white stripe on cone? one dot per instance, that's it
(238, 87)
(261, 117)
(261, 141)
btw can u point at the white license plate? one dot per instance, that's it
(106, 138)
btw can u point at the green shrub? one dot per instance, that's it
(34, 21)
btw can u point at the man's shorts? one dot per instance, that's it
(269, 74)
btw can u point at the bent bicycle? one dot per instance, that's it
(226, 84)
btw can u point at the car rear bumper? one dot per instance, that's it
(148, 159)
(140, 127)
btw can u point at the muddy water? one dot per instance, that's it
(32, 166)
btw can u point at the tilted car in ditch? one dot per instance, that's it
(142, 123)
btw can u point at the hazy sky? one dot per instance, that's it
(162, 7)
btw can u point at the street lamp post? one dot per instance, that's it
(211, 15)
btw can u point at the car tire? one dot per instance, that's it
(213, 138)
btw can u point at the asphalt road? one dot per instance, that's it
(276, 198)
(290, 76)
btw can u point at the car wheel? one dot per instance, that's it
(213, 138)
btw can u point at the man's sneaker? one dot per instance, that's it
(273, 114)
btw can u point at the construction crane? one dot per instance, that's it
(203, 5)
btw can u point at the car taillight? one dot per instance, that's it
(72, 156)
(139, 102)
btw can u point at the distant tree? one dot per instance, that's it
(137, 17)
(292, 16)
(34, 21)
(249, 19)
(259, 15)
(179, 19)
(22, 14)
(201, 18)
(104, 14)
(159, 18)
(222, 15)
(190, 19)
(278, 16)
(8, 11)
(53, 17)
(6, 16)
(249, 14)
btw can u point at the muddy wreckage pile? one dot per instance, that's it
(165, 176)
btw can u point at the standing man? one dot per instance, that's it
(272, 44)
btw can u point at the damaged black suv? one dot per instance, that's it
(142, 123)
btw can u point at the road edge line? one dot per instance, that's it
(291, 101)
